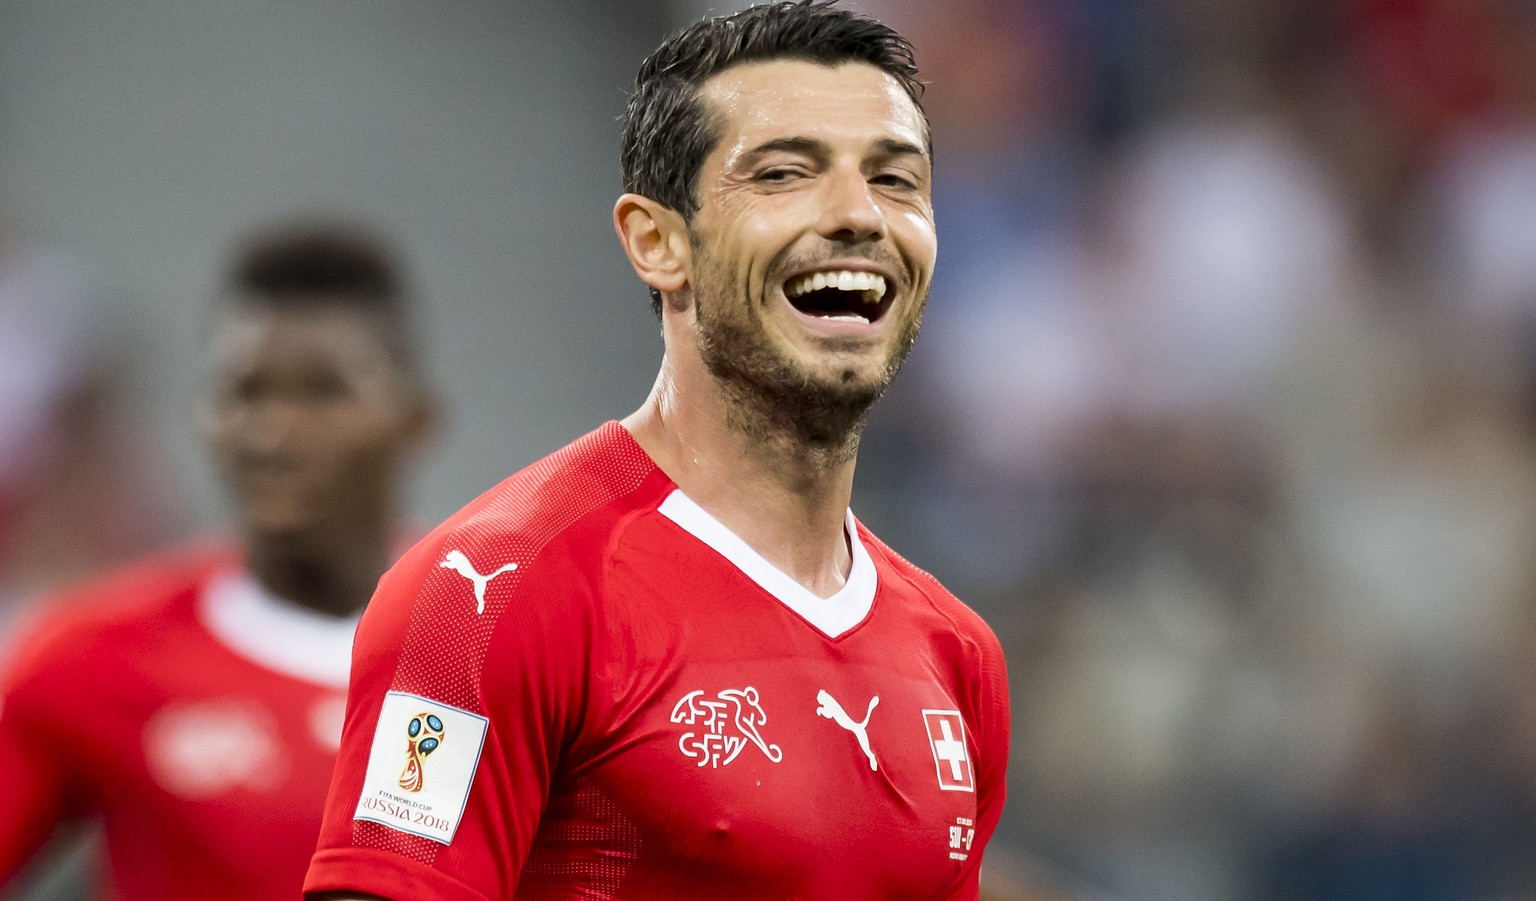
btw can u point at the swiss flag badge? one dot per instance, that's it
(946, 737)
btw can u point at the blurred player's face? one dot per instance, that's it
(309, 418)
(813, 246)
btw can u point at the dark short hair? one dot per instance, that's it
(319, 264)
(667, 131)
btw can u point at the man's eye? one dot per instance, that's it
(894, 180)
(778, 175)
(323, 387)
(239, 392)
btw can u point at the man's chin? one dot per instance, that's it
(820, 393)
(855, 386)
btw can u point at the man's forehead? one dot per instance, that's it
(301, 311)
(335, 328)
(765, 96)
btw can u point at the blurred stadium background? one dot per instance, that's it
(1223, 414)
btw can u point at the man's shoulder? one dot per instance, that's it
(545, 521)
(897, 569)
(601, 470)
(891, 563)
(140, 597)
(140, 587)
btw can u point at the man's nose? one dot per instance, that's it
(271, 425)
(852, 213)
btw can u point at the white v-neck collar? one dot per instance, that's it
(274, 633)
(832, 616)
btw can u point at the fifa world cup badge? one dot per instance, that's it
(424, 734)
(411, 800)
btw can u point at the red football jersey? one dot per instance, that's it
(193, 713)
(583, 685)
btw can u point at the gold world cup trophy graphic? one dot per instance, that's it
(425, 733)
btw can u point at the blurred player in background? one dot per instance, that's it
(192, 702)
(667, 661)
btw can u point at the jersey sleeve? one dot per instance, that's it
(34, 757)
(467, 682)
(993, 738)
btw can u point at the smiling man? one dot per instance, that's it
(667, 661)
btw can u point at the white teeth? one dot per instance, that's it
(871, 284)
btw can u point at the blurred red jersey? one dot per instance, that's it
(582, 685)
(194, 714)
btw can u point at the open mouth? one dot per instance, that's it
(840, 294)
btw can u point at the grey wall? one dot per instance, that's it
(143, 136)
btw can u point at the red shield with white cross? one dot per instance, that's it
(946, 736)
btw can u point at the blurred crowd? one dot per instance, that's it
(1223, 415)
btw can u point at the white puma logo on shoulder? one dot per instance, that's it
(832, 710)
(456, 561)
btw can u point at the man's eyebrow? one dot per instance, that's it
(885, 148)
(807, 146)
(892, 147)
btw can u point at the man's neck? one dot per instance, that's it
(785, 497)
(337, 582)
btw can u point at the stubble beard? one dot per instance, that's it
(776, 403)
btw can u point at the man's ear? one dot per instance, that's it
(655, 238)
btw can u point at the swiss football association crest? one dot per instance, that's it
(729, 722)
(946, 738)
